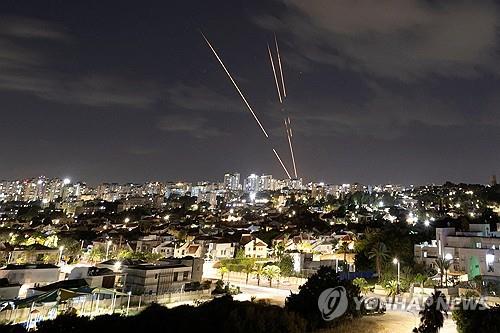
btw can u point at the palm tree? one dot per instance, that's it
(443, 266)
(258, 270)
(420, 279)
(248, 267)
(344, 248)
(381, 254)
(271, 272)
(433, 314)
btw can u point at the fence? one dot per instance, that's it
(97, 304)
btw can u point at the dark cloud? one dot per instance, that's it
(23, 27)
(189, 125)
(401, 39)
(202, 98)
(27, 68)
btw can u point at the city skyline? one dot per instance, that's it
(125, 93)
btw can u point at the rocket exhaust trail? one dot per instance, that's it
(288, 130)
(236, 86)
(274, 73)
(289, 136)
(288, 127)
(279, 64)
(245, 101)
(281, 162)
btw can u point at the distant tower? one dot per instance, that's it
(232, 181)
(493, 180)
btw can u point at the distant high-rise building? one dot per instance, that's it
(318, 190)
(251, 183)
(232, 181)
(494, 180)
(294, 183)
(266, 183)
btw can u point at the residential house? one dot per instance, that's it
(156, 279)
(30, 275)
(253, 246)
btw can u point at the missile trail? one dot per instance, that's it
(236, 86)
(281, 162)
(245, 100)
(274, 73)
(289, 136)
(288, 127)
(279, 63)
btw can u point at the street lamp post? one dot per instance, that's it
(61, 249)
(108, 244)
(395, 261)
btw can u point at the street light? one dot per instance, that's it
(395, 261)
(128, 301)
(108, 244)
(61, 249)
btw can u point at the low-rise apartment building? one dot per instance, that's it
(471, 253)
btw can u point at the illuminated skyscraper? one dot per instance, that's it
(266, 183)
(232, 181)
(251, 183)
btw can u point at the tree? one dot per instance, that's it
(421, 279)
(381, 254)
(72, 247)
(50, 258)
(248, 265)
(362, 284)
(443, 266)
(473, 316)
(222, 314)
(96, 254)
(344, 248)
(259, 269)
(286, 265)
(305, 302)
(271, 272)
(222, 271)
(279, 249)
(392, 289)
(433, 314)
(477, 282)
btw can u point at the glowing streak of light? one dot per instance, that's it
(281, 162)
(236, 86)
(274, 73)
(291, 151)
(289, 137)
(279, 64)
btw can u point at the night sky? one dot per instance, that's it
(379, 91)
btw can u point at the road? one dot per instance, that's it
(394, 320)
